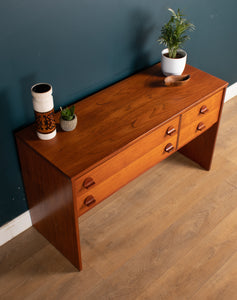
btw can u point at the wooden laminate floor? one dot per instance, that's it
(169, 234)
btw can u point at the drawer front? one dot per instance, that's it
(101, 191)
(198, 119)
(118, 162)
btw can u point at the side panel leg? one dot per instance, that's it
(201, 149)
(50, 199)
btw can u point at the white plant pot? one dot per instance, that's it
(173, 66)
(44, 110)
(68, 125)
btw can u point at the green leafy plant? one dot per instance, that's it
(173, 33)
(67, 113)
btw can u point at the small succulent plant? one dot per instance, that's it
(67, 113)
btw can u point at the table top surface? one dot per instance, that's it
(115, 117)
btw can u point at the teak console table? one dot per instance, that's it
(122, 131)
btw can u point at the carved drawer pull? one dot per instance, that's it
(201, 126)
(171, 130)
(169, 147)
(203, 109)
(89, 200)
(88, 182)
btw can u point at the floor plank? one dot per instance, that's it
(140, 223)
(223, 284)
(192, 271)
(158, 256)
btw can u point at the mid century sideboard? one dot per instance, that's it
(122, 131)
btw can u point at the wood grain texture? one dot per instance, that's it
(121, 178)
(223, 284)
(194, 270)
(211, 104)
(170, 246)
(50, 201)
(150, 208)
(143, 146)
(176, 221)
(194, 123)
(116, 116)
(123, 131)
(201, 149)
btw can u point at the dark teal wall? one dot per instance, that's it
(81, 46)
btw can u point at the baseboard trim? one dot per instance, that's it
(23, 222)
(15, 227)
(231, 92)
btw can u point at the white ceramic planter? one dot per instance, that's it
(68, 125)
(173, 66)
(44, 110)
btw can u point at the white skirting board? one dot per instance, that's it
(23, 222)
(231, 92)
(15, 227)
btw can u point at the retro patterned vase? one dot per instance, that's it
(44, 110)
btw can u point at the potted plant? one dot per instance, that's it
(173, 35)
(68, 120)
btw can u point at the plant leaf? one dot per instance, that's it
(68, 113)
(172, 33)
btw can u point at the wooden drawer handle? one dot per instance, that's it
(89, 200)
(169, 147)
(171, 130)
(201, 126)
(203, 109)
(88, 182)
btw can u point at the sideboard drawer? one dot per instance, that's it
(101, 191)
(164, 134)
(198, 119)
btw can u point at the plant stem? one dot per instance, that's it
(172, 53)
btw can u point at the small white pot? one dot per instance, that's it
(173, 66)
(68, 125)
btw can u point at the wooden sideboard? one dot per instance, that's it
(122, 131)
